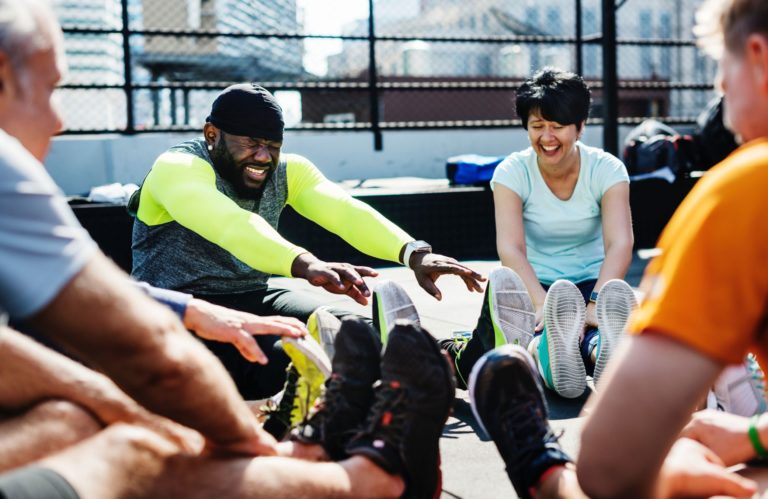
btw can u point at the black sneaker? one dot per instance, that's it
(278, 414)
(344, 405)
(508, 403)
(413, 400)
(455, 348)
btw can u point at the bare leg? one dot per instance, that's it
(43, 429)
(561, 482)
(127, 461)
(299, 450)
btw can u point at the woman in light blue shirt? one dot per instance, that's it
(562, 213)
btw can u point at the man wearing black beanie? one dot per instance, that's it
(206, 223)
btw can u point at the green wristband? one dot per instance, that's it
(754, 437)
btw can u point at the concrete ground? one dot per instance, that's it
(471, 465)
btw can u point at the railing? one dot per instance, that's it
(384, 93)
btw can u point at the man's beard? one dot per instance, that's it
(226, 166)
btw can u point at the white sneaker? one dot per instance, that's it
(390, 303)
(615, 303)
(323, 326)
(512, 313)
(564, 316)
(740, 389)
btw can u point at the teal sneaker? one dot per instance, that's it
(615, 303)
(558, 353)
(740, 389)
(390, 303)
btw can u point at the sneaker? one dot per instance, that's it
(559, 356)
(391, 302)
(740, 389)
(615, 302)
(513, 315)
(508, 403)
(277, 410)
(313, 366)
(455, 348)
(323, 326)
(412, 402)
(342, 408)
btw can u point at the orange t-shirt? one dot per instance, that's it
(709, 286)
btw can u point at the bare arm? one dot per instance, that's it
(638, 414)
(144, 348)
(617, 239)
(49, 375)
(510, 243)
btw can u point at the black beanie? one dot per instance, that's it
(248, 110)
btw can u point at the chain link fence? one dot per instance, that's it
(371, 65)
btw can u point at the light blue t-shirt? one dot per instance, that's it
(564, 239)
(42, 245)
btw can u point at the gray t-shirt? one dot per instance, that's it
(42, 245)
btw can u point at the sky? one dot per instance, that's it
(326, 17)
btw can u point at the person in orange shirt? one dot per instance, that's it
(706, 306)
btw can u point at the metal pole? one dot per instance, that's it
(173, 106)
(610, 80)
(373, 81)
(185, 93)
(579, 44)
(130, 119)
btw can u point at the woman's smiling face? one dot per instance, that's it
(552, 141)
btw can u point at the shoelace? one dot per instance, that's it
(329, 399)
(524, 421)
(282, 410)
(386, 418)
(758, 380)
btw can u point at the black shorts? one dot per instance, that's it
(35, 482)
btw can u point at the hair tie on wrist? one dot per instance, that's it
(754, 437)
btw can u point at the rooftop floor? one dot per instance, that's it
(471, 466)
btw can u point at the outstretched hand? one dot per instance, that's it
(723, 433)
(334, 277)
(692, 470)
(428, 267)
(217, 323)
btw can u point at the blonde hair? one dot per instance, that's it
(726, 24)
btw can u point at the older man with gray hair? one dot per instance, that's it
(164, 390)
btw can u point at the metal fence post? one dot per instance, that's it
(579, 44)
(373, 81)
(130, 120)
(610, 80)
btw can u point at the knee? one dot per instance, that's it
(133, 445)
(138, 441)
(77, 422)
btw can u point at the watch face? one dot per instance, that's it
(420, 246)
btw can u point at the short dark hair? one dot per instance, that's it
(557, 95)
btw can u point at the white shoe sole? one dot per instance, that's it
(512, 310)
(564, 316)
(323, 326)
(311, 349)
(615, 303)
(393, 303)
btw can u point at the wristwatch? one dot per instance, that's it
(415, 247)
